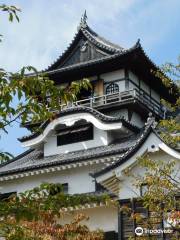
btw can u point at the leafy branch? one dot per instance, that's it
(36, 214)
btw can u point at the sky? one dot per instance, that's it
(46, 29)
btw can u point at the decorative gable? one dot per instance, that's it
(86, 45)
(82, 52)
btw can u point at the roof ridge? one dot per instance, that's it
(155, 131)
(72, 159)
(108, 45)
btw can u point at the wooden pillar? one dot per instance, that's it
(99, 87)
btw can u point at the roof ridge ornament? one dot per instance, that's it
(83, 22)
(138, 43)
(150, 121)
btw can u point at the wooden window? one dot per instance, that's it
(112, 88)
(74, 135)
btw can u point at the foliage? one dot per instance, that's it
(163, 186)
(161, 198)
(36, 214)
(33, 93)
(170, 127)
(161, 178)
(12, 13)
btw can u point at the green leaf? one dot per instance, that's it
(10, 17)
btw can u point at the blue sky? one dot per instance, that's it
(47, 27)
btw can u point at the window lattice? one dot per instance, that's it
(112, 88)
(74, 135)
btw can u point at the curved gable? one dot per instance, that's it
(70, 116)
(149, 141)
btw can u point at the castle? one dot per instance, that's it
(88, 147)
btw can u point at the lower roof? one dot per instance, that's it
(34, 159)
(111, 156)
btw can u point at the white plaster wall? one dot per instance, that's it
(111, 76)
(114, 76)
(132, 86)
(143, 86)
(136, 118)
(134, 78)
(104, 218)
(51, 148)
(127, 188)
(78, 179)
(120, 83)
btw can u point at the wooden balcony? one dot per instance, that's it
(120, 98)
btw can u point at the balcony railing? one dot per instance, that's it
(121, 98)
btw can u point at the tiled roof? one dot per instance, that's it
(101, 41)
(84, 31)
(99, 193)
(35, 160)
(92, 62)
(117, 153)
(150, 127)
